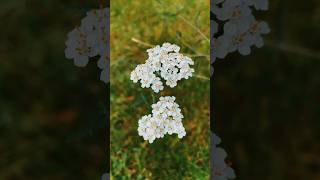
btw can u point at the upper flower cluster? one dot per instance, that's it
(235, 28)
(89, 40)
(164, 61)
(166, 118)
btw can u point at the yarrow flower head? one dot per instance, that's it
(164, 61)
(90, 40)
(234, 27)
(166, 118)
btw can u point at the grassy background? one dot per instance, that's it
(151, 22)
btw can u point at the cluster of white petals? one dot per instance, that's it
(166, 62)
(91, 40)
(220, 170)
(235, 28)
(166, 118)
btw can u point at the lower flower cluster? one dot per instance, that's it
(166, 118)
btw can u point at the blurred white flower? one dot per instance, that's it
(220, 170)
(91, 39)
(164, 61)
(166, 118)
(105, 176)
(234, 27)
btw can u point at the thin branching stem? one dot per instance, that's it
(194, 27)
(151, 45)
(201, 77)
(141, 42)
(190, 24)
(294, 49)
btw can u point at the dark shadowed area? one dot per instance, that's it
(266, 105)
(52, 113)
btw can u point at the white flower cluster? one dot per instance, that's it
(166, 118)
(235, 28)
(164, 61)
(220, 170)
(90, 40)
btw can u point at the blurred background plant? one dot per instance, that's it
(135, 27)
(52, 114)
(266, 105)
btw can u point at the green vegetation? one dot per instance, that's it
(134, 26)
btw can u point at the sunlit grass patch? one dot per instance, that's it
(135, 27)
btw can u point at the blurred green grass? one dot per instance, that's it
(185, 23)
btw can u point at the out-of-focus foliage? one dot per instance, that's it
(133, 24)
(266, 105)
(52, 117)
